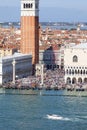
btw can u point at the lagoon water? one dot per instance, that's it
(42, 112)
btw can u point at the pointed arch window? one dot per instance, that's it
(75, 58)
(27, 5)
(31, 5)
(24, 5)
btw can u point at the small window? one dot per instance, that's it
(24, 5)
(27, 5)
(31, 5)
(75, 58)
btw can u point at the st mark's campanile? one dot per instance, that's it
(30, 29)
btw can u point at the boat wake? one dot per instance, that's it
(73, 119)
(57, 117)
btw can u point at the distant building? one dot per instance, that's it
(53, 57)
(75, 64)
(50, 58)
(7, 51)
(23, 67)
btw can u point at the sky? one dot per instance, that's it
(50, 10)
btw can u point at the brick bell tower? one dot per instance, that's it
(30, 29)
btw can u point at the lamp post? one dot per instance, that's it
(13, 63)
(42, 67)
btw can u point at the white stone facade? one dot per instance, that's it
(29, 7)
(75, 64)
(23, 67)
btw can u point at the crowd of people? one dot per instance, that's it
(52, 79)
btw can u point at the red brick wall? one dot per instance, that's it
(30, 37)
